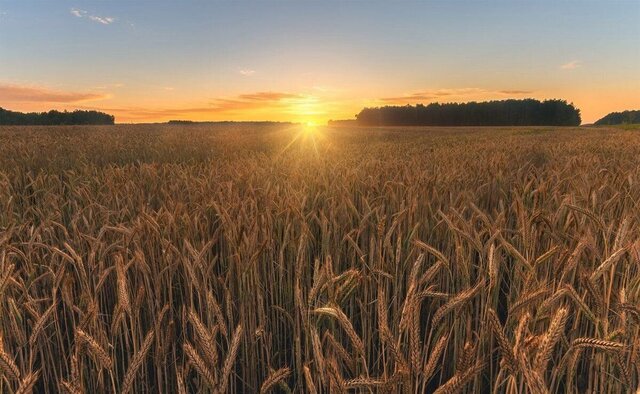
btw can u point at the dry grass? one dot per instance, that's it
(236, 258)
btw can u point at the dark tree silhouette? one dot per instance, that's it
(624, 117)
(527, 112)
(55, 118)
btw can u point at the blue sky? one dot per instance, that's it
(155, 60)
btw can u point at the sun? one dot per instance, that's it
(309, 126)
(307, 134)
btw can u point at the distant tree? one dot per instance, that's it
(345, 122)
(528, 112)
(624, 117)
(53, 117)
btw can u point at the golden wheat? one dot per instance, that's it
(246, 258)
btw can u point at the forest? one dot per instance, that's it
(54, 117)
(527, 112)
(624, 117)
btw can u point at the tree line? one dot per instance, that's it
(54, 117)
(624, 117)
(528, 112)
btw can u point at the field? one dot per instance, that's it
(278, 258)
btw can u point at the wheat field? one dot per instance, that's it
(276, 258)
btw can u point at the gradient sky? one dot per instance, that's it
(313, 61)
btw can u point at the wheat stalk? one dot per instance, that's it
(311, 387)
(27, 383)
(556, 327)
(337, 314)
(503, 343)
(95, 349)
(455, 302)
(206, 339)
(40, 323)
(436, 352)
(231, 358)
(594, 343)
(136, 363)
(274, 378)
(200, 365)
(69, 387)
(459, 380)
(8, 366)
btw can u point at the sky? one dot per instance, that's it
(304, 61)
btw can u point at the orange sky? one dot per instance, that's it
(316, 105)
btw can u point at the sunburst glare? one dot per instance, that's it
(308, 135)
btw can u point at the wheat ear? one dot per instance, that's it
(95, 349)
(198, 363)
(136, 363)
(274, 378)
(459, 380)
(549, 340)
(231, 359)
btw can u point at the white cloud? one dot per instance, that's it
(78, 13)
(571, 65)
(105, 20)
(247, 72)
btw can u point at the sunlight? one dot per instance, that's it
(307, 110)
(308, 134)
(309, 127)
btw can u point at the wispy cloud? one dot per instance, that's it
(276, 101)
(110, 86)
(105, 20)
(515, 92)
(28, 93)
(451, 93)
(268, 96)
(247, 72)
(571, 65)
(78, 13)
(430, 94)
